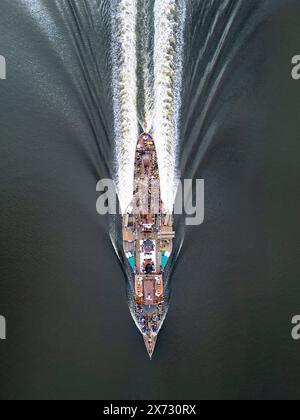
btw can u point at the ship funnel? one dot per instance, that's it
(150, 341)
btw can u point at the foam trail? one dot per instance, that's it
(169, 16)
(145, 62)
(124, 59)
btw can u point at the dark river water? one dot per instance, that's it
(235, 285)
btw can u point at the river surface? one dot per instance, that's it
(219, 93)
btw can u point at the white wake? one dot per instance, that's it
(170, 18)
(124, 59)
(164, 115)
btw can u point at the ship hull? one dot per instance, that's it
(148, 242)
